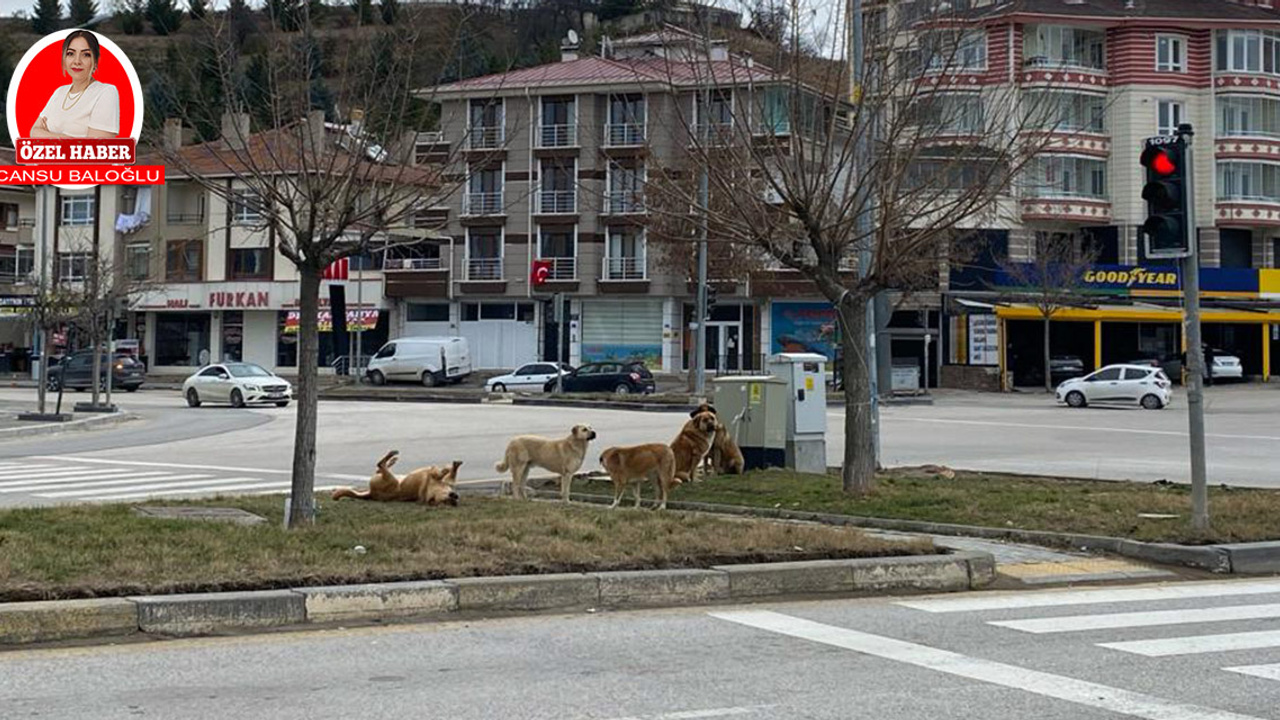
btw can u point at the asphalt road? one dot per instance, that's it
(1187, 651)
(179, 451)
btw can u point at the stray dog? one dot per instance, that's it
(563, 457)
(637, 464)
(693, 443)
(427, 485)
(704, 407)
(725, 457)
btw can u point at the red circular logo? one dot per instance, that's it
(43, 75)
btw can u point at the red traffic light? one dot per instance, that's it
(1163, 164)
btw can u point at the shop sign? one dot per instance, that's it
(1133, 278)
(242, 299)
(1159, 280)
(804, 327)
(356, 320)
(984, 343)
(16, 304)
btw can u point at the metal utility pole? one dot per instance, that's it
(1195, 353)
(700, 314)
(857, 53)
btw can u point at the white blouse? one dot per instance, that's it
(98, 108)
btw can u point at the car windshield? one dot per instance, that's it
(247, 370)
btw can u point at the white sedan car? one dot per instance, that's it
(1126, 384)
(527, 378)
(237, 383)
(1227, 367)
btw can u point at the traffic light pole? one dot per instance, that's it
(1195, 351)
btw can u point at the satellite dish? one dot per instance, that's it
(573, 36)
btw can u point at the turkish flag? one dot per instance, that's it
(541, 272)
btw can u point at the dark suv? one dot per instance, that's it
(76, 372)
(615, 377)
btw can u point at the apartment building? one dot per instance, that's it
(17, 259)
(1120, 71)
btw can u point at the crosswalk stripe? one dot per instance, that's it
(29, 485)
(1075, 623)
(1270, 672)
(66, 475)
(212, 490)
(1062, 598)
(1197, 644)
(116, 485)
(90, 492)
(277, 491)
(42, 469)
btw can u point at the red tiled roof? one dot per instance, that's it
(1216, 10)
(601, 71)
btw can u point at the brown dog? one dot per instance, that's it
(562, 457)
(725, 456)
(692, 444)
(427, 485)
(637, 464)
(704, 407)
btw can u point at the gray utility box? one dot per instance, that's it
(754, 409)
(805, 377)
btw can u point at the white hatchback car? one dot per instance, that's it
(527, 378)
(237, 383)
(1127, 384)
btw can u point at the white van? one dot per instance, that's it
(429, 360)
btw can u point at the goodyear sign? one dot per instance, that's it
(1105, 277)
(1153, 281)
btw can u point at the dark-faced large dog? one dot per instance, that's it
(563, 457)
(427, 485)
(693, 443)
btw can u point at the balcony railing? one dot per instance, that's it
(562, 268)
(485, 137)
(550, 136)
(484, 268)
(412, 264)
(716, 133)
(557, 202)
(625, 201)
(623, 134)
(184, 218)
(482, 203)
(624, 268)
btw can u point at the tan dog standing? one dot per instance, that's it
(725, 455)
(637, 464)
(563, 457)
(693, 443)
(427, 485)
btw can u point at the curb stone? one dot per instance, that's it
(210, 613)
(88, 423)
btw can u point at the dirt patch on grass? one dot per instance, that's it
(108, 550)
(1003, 501)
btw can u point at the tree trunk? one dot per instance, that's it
(858, 472)
(96, 343)
(303, 503)
(42, 387)
(1048, 377)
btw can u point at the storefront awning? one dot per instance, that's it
(1139, 313)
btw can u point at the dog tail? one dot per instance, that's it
(347, 492)
(501, 465)
(389, 459)
(453, 470)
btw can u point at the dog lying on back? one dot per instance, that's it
(428, 485)
(634, 466)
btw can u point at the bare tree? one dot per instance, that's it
(1051, 282)
(325, 187)
(104, 292)
(862, 183)
(54, 307)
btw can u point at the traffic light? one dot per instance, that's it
(1166, 230)
(711, 299)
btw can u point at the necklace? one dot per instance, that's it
(79, 95)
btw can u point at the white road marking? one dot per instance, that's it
(1076, 623)
(1132, 431)
(1270, 672)
(116, 485)
(30, 485)
(42, 469)
(1081, 692)
(1059, 598)
(218, 490)
(175, 482)
(1197, 644)
(697, 714)
(142, 463)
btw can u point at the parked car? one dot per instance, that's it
(1125, 384)
(532, 377)
(621, 378)
(75, 371)
(237, 383)
(429, 360)
(1225, 366)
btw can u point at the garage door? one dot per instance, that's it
(622, 330)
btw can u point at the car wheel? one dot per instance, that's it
(193, 398)
(1151, 402)
(622, 389)
(377, 378)
(499, 387)
(237, 398)
(1075, 399)
(79, 389)
(429, 379)
(52, 384)
(283, 403)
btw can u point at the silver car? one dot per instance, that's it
(1125, 384)
(239, 384)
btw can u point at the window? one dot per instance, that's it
(138, 262)
(1248, 181)
(287, 342)
(1235, 248)
(26, 257)
(484, 253)
(428, 312)
(1058, 46)
(485, 123)
(1066, 111)
(1249, 116)
(556, 183)
(1135, 373)
(233, 344)
(626, 187)
(1169, 116)
(77, 209)
(717, 118)
(625, 254)
(250, 263)
(1066, 176)
(1105, 375)
(484, 192)
(556, 242)
(213, 371)
(184, 261)
(953, 53)
(1171, 53)
(1248, 51)
(73, 266)
(950, 114)
(246, 208)
(8, 216)
(626, 120)
(559, 122)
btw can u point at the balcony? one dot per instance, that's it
(562, 268)
(1067, 208)
(184, 218)
(484, 269)
(393, 264)
(482, 203)
(716, 133)
(624, 202)
(624, 268)
(415, 277)
(485, 137)
(556, 202)
(623, 135)
(557, 136)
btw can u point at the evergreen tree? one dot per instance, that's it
(47, 17)
(83, 12)
(286, 14)
(257, 91)
(390, 9)
(164, 16)
(6, 72)
(242, 23)
(133, 20)
(363, 10)
(196, 8)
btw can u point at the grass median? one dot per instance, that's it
(1002, 501)
(109, 550)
